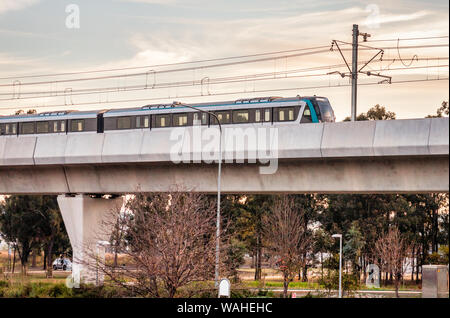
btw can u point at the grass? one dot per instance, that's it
(42, 286)
(279, 284)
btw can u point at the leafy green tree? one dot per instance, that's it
(322, 244)
(30, 223)
(244, 215)
(19, 221)
(354, 243)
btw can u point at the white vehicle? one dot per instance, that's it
(62, 264)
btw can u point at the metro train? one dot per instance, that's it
(256, 111)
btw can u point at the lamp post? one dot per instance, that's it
(216, 274)
(340, 262)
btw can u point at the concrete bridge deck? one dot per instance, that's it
(359, 157)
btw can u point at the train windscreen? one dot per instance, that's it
(326, 110)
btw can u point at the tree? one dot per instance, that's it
(354, 243)
(441, 111)
(375, 113)
(391, 250)
(286, 237)
(31, 223)
(19, 223)
(29, 112)
(245, 214)
(51, 232)
(169, 240)
(322, 244)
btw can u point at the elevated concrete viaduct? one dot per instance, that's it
(400, 156)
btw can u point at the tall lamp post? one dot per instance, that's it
(216, 274)
(340, 262)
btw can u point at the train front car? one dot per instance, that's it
(322, 108)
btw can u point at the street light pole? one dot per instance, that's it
(217, 265)
(340, 262)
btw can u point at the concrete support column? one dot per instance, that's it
(83, 217)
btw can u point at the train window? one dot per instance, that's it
(306, 118)
(162, 121)
(286, 114)
(142, 122)
(258, 115)
(240, 116)
(59, 126)
(10, 129)
(124, 123)
(267, 114)
(203, 117)
(224, 117)
(180, 119)
(28, 128)
(77, 125)
(42, 127)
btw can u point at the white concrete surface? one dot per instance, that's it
(351, 175)
(381, 156)
(402, 137)
(348, 139)
(83, 148)
(411, 137)
(84, 218)
(19, 151)
(122, 147)
(439, 136)
(50, 149)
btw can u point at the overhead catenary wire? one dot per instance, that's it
(211, 81)
(410, 39)
(224, 93)
(205, 60)
(202, 67)
(309, 69)
(165, 71)
(166, 64)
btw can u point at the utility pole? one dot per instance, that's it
(354, 70)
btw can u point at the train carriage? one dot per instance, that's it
(254, 111)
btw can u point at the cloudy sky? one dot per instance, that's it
(42, 37)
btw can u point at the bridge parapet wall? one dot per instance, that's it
(410, 137)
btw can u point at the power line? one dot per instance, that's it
(205, 60)
(151, 72)
(164, 71)
(202, 61)
(216, 81)
(226, 93)
(167, 64)
(410, 39)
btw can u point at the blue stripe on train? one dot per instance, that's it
(313, 111)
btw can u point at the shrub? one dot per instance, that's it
(331, 282)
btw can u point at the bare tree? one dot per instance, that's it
(391, 251)
(168, 240)
(286, 237)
